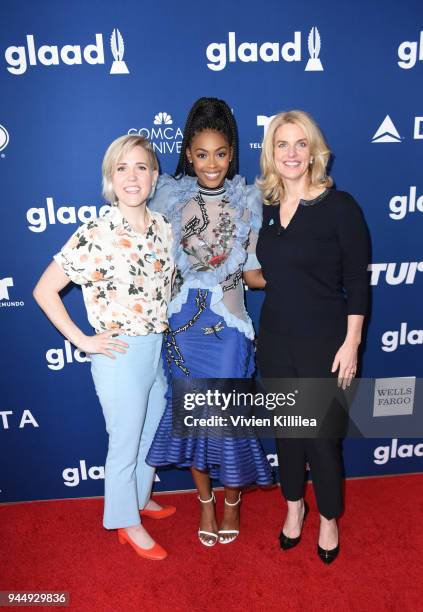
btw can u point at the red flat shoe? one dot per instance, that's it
(156, 553)
(159, 514)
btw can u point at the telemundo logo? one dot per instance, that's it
(220, 53)
(19, 58)
(262, 121)
(6, 284)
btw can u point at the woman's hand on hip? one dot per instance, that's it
(346, 363)
(103, 343)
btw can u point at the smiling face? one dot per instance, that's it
(210, 154)
(291, 152)
(133, 178)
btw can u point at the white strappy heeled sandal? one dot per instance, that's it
(234, 532)
(211, 537)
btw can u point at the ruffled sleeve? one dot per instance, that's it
(255, 212)
(161, 200)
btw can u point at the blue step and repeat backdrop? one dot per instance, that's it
(76, 75)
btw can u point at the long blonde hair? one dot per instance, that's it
(270, 181)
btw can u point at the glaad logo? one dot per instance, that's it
(394, 396)
(392, 339)
(164, 138)
(406, 272)
(387, 132)
(57, 358)
(407, 53)
(73, 476)
(118, 49)
(4, 137)
(218, 54)
(27, 418)
(401, 205)
(382, 454)
(5, 284)
(38, 218)
(51, 55)
(314, 44)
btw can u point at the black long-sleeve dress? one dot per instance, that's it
(316, 273)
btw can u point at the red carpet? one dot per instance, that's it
(60, 545)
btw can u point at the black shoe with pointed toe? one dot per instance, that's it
(287, 543)
(327, 556)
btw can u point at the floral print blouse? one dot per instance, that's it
(125, 276)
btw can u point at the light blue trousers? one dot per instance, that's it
(131, 390)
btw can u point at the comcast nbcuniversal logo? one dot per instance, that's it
(220, 53)
(21, 57)
(163, 118)
(163, 135)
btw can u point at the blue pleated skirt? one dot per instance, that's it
(201, 345)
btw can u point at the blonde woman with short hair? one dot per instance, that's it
(123, 263)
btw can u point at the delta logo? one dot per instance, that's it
(388, 133)
(20, 57)
(219, 54)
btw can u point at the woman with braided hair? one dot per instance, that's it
(215, 218)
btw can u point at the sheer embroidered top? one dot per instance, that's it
(215, 234)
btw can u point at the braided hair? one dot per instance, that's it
(208, 114)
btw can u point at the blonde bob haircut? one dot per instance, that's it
(270, 182)
(114, 154)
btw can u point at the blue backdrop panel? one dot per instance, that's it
(74, 76)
